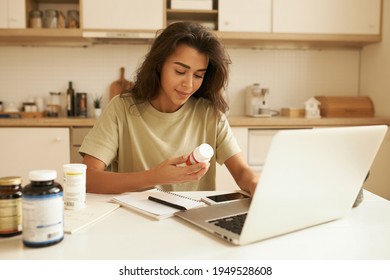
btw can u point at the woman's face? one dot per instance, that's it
(181, 76)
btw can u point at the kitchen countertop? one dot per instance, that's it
(235, 121)
(46, 122)
(287, 122)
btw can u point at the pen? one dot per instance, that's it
(166, 203)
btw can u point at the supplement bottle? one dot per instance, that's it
(43, 210)
(10, 206)
(74, 185)
(202, 153)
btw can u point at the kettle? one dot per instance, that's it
(257, 101)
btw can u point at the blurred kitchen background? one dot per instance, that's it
(294, 66)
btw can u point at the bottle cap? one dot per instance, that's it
(42, 175)
(10, 181)
(203, 153)
(75, 167)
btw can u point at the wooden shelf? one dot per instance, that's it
(42, 36)
(304, 40)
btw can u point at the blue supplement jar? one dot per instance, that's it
(43, 210)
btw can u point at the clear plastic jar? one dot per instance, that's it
(10, 206)
(43, 210)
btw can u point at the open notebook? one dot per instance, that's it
(157, 203)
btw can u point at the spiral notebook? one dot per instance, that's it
(157, 203)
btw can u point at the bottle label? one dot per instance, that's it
(69, 103)
(43, 218)
(75, 190)
(191, 159)
(10, 215)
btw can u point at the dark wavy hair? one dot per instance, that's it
(147, 80)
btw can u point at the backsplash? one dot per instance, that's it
(292, 75)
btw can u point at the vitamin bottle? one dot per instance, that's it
(43, 210)
(202, 153)
(10, 206)
(75, 185)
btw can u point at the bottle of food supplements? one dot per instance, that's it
(202, 153)
(43, 210)
(10, 206)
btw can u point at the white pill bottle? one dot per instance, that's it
(202, 153)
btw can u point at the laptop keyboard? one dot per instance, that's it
(232, 223)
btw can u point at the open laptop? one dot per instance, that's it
(311, 176)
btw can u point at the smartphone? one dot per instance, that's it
(224, 198)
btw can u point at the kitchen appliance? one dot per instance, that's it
(257, 101)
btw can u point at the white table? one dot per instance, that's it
(125, 234)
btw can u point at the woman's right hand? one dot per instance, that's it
(168, 172)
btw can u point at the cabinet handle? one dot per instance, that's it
(58, 139)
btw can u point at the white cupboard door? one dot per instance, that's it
(259, 142)
(122, 14)
(26, 149)
(17, 14)
(327, 16)
(244, 15)
(12, 14)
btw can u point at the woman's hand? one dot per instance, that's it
(168, 172)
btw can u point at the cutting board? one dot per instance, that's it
(119, 86)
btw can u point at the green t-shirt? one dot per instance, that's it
(138, 137)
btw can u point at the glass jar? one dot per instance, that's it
(10, 206)
(43, 210)
(54, 105)
(51, 19)
(36, 19)
(72, 19)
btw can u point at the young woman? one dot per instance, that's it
(175, 105)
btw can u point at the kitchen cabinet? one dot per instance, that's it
(24, 35)
(246, 23)
(12, 14)
(207, 17)
(259, 141)
(122, 14)
(24, 149)
(327, 16)
(244, 15)
(77, 138)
